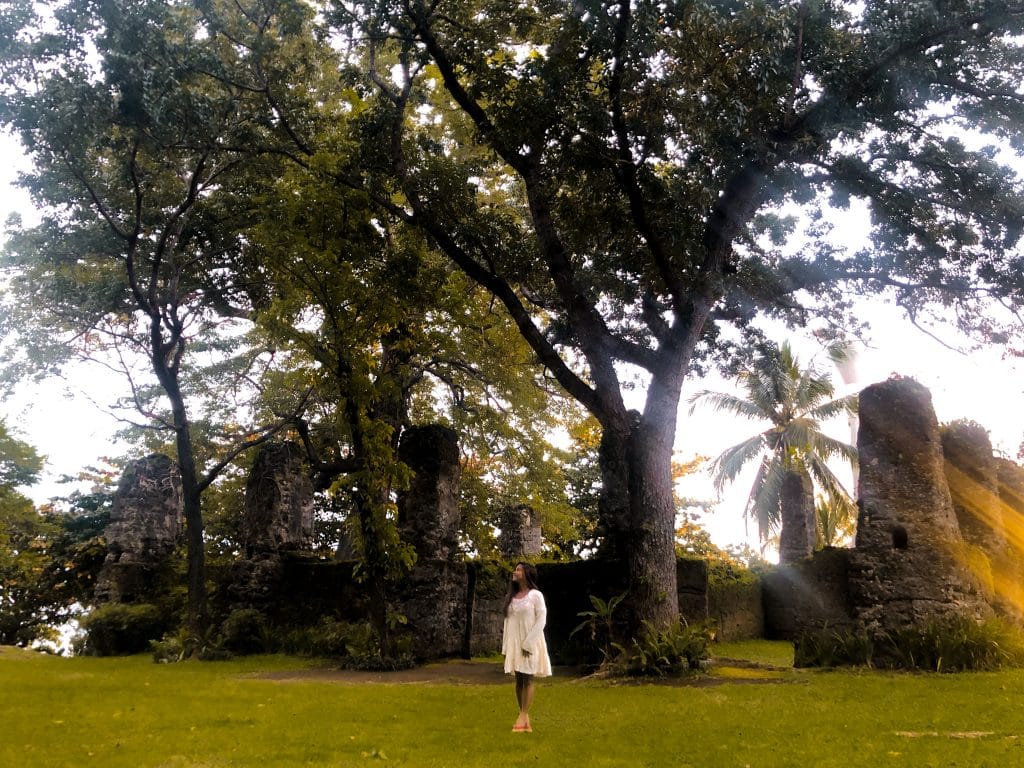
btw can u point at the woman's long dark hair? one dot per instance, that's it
(530, 572)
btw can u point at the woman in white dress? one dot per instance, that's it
(522, 640)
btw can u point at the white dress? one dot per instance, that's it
(524, 630)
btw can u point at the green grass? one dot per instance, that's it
(70, 713)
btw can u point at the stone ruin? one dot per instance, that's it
(930, 530)
(278, 518)
(520, 536)
(909, 563)
(145, 526)
(798, 534)
(433, 595)
(278, 501)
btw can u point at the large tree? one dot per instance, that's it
(613, 173)
(144, 171)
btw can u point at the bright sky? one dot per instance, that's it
(984, 387)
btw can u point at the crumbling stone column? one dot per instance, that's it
(278, 501)
(145, 525)
(433, 597)
(520, 536)
(428, 512)
(278, 518)
(908, 565)
(797, 535)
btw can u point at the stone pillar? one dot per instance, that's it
(278, 518)
(797, 534)
(433, 596)
(428, 512)
(520, 537)
(145, 525)
(908, 566)
(278, 501)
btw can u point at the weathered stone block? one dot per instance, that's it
(428, 512)
(278, 501)
(520, 535)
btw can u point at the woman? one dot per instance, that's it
(522, 641)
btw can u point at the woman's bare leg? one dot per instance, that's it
(524, 697)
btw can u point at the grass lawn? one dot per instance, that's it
(57, 712)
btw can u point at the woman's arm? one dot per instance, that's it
(540, 615)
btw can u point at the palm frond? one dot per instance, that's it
(728, 464)
(765, 501)
(825, 447)
(838, 407)
(727, 403)
(824, 477)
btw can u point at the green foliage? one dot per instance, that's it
(48, 557)
(598, 625)
(353, 645)
(183, 645)
(117, 629)
(245, 631)
(952, 644)
(835, 520)
(327, 639)
(792, 400)
(956, 644)
(19, 462)
(832, 648)
(680, 649)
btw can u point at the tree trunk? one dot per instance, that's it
(192, 508)
(638, 518)
(165, 368)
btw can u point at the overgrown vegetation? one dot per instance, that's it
(954, 644)
(680, 649)
(351, 645)
(118, 629)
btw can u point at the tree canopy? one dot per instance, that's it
(625, 179)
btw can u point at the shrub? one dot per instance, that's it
(245, 631)
(354, 645)
(956, 644)
(670, 652)
(826, 648)
(183, 644)
(118, 629)
(597, 630)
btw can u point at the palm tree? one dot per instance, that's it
(836, 519)
(793, 452)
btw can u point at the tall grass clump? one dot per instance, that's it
(956, 644)
(950, 644)
(832, 648)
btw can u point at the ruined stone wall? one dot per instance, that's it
(908, 565)
(520, 534)
(808, 596)
(145, 526)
